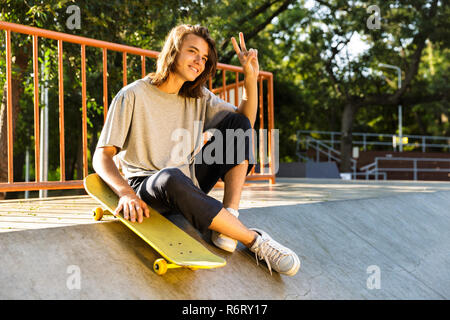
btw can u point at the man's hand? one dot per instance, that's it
(248, 59)
(133, 208)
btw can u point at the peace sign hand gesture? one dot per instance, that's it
(248, 59)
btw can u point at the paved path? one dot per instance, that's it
(356, 240)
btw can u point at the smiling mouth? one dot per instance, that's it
(194, 69)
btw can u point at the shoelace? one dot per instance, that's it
(267, 251)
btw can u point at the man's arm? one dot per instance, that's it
(104, 165)
(250, 64)
(249, 103)
(129, 202)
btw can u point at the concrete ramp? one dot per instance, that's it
(386, 247)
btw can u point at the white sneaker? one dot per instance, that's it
(221, 240)
(277, 257)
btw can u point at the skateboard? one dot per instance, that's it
(178, 249)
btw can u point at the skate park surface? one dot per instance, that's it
(355, 239)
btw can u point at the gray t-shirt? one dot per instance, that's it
(156, 130)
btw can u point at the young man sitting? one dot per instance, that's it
(140, 127)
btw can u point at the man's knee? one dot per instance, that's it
(240, 121)
(240, 130)
(171, 178)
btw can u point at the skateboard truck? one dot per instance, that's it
(160, 266)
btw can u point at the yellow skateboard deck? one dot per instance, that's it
(175, 245)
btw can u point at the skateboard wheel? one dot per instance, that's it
(98, 213)
(160, 266)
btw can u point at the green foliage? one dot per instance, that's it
(305, 47)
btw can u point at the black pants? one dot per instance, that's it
(171, 190)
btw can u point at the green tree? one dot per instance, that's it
(318, 84)
(135, 23)
(318, 60)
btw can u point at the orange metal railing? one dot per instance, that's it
(224, 91)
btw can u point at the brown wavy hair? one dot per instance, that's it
(168, 56)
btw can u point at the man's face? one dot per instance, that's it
(192, 58)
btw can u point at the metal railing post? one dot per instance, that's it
(376, 169)
(415, 169)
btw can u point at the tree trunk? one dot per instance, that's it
(20, 61)
(346, 137)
